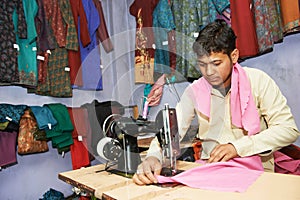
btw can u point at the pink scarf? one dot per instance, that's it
(243, 110)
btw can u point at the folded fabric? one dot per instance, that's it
(285, 164)
(61, 133)
(235, 175)
(79, 149)
(8, 142)
(64, 123)
(9, 112)
(44, 117)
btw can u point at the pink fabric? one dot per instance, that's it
(243, 110)
(286, 165)
(235, 175)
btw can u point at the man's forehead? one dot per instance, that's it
(212, 57)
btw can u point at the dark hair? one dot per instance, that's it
(215, 37)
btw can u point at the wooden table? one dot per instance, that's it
(105, 185)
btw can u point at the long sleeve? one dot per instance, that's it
(280, 129)
(102, 32)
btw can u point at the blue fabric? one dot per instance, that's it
(14, 112)
(43, 116)
(163, 22)
(90, 55)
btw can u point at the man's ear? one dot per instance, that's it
(235, 55)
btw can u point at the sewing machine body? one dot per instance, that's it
(122, 147)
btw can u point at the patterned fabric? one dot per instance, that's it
(290, 15)
(163, 22)
(189, 16)
(58, 83)
(83, 37)
(54, 16)
(216, 7)
(8, 65)
(268, 23)
(142, 10)
(71, 35)
(9, 112)
(44, 39)
(58, 80)
(27, 63)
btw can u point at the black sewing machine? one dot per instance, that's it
(121, 148)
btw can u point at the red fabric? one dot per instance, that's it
(79, 149)
(102, 32)
(74, 56)
(286, 165)
(243, 24)
(144, 9)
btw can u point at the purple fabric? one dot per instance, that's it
(90, 54)
(235, 175)
(286, 165)
(8, 148)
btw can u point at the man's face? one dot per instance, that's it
(216, 69)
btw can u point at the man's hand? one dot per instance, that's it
(146, 171)
(222, 152)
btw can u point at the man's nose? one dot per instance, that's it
(210, 69)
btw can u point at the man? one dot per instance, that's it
(241, 111)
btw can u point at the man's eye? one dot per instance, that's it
(201, 64)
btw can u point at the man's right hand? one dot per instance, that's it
(147, 170)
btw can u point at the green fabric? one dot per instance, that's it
(61, 133)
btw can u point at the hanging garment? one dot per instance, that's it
(142, 10)
(44, 40)
(58, 82)
(90, 55)
(27, 62)
(42, 59)
(84, 37)
(8, 148)
(190, 16)
(163, 23)
(102, 33)
(8, 48)
(290, 15)
(79, 149)
(216, 8)
(268, 24)
(243, 24)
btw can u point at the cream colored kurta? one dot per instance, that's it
(278, 128)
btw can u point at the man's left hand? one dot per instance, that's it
(222, 152)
